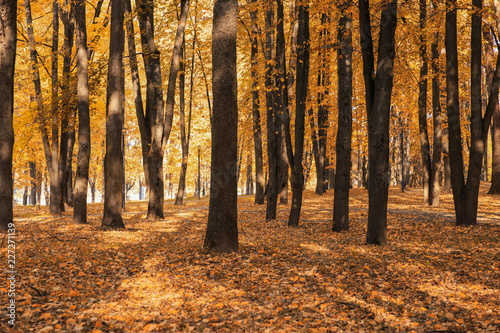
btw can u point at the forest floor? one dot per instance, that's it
(156, 277)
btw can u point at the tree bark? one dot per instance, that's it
(436, 115)
(82, 167)
(257, 131)
(422, 108)
(344, 133)
(113, 161)
(144, 129)
(323, 83)
(182, 123)
(272, 129)
(174, 68)
(154, 109)
(222, 228)
(33, 182)
(495, 129)
(68, 103)
(466, 194)
(300, 109)
(378, 125)
(8, 44)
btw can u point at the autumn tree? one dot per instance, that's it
(272, 117)
(466, 192)
(301, 86)
(257, 131)
(222, 229)
(50, 139)
(82, 166)
(344, 133)
(115, 103)
(378, 90)
(8, 44)
(154, 114)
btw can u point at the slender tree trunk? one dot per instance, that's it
(113, 162)
(436, 113)
(422, 107)
(323, 83)
(82, 168)
(222, 227)
(144, 128)
(67, 119)
(281, 103)
(300, 109)
(33, 182)
(257, 131)
(344, 133)
(272, 129)
(378, 126)
(182, 123)
(174, 68)
(51, 155)
(495, 129)
(154, 109)
(8, 44)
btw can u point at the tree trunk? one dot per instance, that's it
(466, 194)
(281, 103)
(33, 182)
(82, 167)
(68, 118)
(113, 162)
(182, 123)
(8, 43)
(436, 115)
(50, 147)
(257, 131)
(144, 129)
(272, 129)
(344, 133)
(323, 83)
(378, 123)
(222, 228)
(300, 110)
(154, 109)
(422, 108)
(495, 129)
(174, 68)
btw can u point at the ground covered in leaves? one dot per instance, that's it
(155, 277)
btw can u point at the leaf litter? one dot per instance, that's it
(156, 277)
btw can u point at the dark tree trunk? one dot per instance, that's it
(378, 121)
(174, 68)
(182, 123)
(82, 167)
(344, 133)
(466, 194)
(154, 109)
(436, 113)
(144, 128)
(67, 119)
(273, 142)
(495, 129)
(323, 83)
(50, 147)
(222, 227)
(33, 183)
(113, 161)
(422, 108)
(281, 103)
(257, 131)
(300, 110)
(8, 43)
